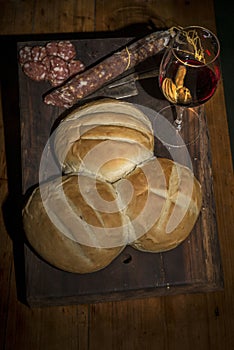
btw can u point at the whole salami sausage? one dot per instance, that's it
(92, 79)
(75, 66)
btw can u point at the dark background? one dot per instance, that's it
(224, 11)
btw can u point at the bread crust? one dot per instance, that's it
(109, 131)
(179, 205)
(44, 224)
(115, 193)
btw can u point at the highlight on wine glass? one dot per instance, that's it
(188, 77)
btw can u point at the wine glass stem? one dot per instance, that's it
(179, 118)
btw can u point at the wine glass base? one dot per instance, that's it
(175, 134)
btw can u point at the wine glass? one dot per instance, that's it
(188, 77)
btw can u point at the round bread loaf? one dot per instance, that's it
(57, 217)
(106, 138)
(115, 193)
(175, 196)
(80, 224)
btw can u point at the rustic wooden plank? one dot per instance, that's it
(167, 273)
(131, 15)
(16, 17)
(220, 315)
(218, 328)
(71, 16)
(50, 328)
(3, 167)
(116, 15)
(224, 193)
(133, 325)
(6, 258)
(44, 12)
(187, 329)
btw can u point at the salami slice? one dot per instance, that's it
(63, 49)
(66, 50)
(38, 53)
(46, 61)
(92, 79)
(52, 48)
(25, 55)
(35, 70)
(57, 69)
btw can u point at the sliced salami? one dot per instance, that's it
(25, 54)
(35, 70)
(55, 60)
(38, 53)
(52, 48)
(57, 69)
(66, 50)
(46, 61)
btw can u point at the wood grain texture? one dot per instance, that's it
(193, 266)
(204, 321)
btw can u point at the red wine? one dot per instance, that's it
(200, 81)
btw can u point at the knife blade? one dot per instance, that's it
(134, 77)
(123, 87)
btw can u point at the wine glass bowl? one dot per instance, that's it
(189, 75)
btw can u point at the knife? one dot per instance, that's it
(132, 77)
(124, 87)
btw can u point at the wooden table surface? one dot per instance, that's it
(185, 321)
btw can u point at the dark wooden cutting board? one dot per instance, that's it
(194, 266)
